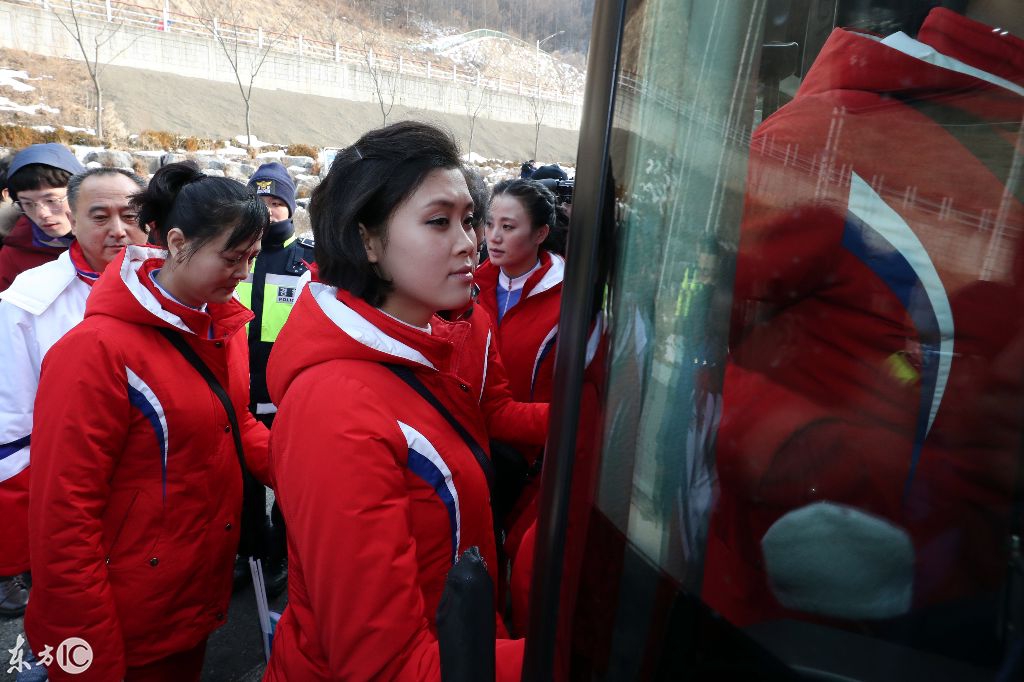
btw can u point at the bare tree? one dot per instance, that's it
(93, 39)
(246, 53)
(474, 101)
(332, 22)
(385, 81)
(538, 108)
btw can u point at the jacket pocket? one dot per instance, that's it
(131, 530)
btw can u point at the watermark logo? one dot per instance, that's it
(74, 655)
(17, 663)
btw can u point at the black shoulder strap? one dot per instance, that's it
(193, 359)
(251, 515)
(409, 377)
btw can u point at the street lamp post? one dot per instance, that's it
(537, 55)
(536, 94)
(544, 40)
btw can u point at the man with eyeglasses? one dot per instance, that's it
(40, 306)
(37, 181)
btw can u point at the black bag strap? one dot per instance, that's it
(248, 536)
(408, 376)
(193, 359)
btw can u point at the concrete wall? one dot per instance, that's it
(36, 29)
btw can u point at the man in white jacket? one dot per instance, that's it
(40, 306)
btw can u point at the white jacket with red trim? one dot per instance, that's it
(40, 306)
(381, 494)
(136, 490)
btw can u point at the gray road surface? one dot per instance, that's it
(234, 652)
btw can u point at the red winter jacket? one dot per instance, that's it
(877, 338)
(380, 492)
(527, 333)
(19, 253)
(526, 339)
(480, 363)
(136, 490)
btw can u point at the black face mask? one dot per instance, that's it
(279, 232)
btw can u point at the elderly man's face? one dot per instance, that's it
(102, 221)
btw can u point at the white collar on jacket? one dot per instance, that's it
(551, 278)
(134, 257)
(926, 53)
(361, 329)
(514, 283)
(35, 289)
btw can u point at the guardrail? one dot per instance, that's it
(449, 42)
(175, 22)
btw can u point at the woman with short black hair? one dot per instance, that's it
(381, 492)
(138, 468)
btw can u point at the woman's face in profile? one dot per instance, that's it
(428, 252)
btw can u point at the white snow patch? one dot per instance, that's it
(31, 109)
(253, 141)
(473, 157)
(12, 79)
(232, 151)
(81, 151)
(70, 129)
(516, 61)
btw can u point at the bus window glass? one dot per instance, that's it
(815, 366)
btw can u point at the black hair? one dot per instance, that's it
(36, 176)
(478, 190)
(201, 206)
(365, 185)
(75, 183)
(5, 163)
(539, 204)
(480, 194)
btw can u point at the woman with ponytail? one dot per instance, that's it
(135, 503)
(521, 288)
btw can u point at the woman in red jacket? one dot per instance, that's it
(134, 511)
(479, 362)
(380, 491)
(521, 289)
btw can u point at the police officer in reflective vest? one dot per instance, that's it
(277, 276)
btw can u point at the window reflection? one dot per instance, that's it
(815, 373)
(870, 435)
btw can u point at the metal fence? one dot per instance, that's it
(175, 22)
